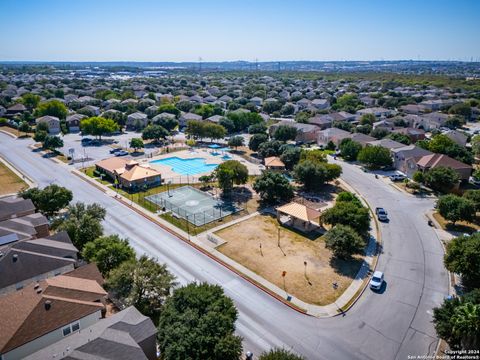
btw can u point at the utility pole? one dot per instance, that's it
(200, 63)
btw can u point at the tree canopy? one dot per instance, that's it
(236, 141)
(52, 142)
(229, 173)
(349, 213)
(49, 200)
(53, 108)
(83, 223)
(143, 283)
(349, 149)
(441, 178)
(344, 241)
(108, 252)
(285, 133)
(98, 126)
(457, 321)
(375, 157)
(273, 187)
(204, 129)
(313, 175)
(455, 208)
(136, 143)
(279, 354)
(462, 257)
(154, 132)
(256, 140)
(198, 322)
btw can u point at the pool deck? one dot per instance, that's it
(205, 153)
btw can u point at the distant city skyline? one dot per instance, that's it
(148, 30)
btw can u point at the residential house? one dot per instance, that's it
(137, 120)
(125, 335)
(433, 161)
(430, 121)
(52, 122)
(321, 104)
(386, 143)
(12, 207)
(215, 119)
(33, 225)
(379, 112)
(405, 158)
(322, 121)
(413, 134)
(412, 109)
(73, 122)
(334, 135)
(306, 133)
(362, 139)
(15, 109)
(257, 101)
(186, 117)
(457, 136)
(46, 312)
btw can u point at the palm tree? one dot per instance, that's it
(466, 325)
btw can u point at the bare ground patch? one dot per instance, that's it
(9, 181)
(311, 283)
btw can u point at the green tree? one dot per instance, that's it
(279, 354)
(256, 140)
(379, 133)
(442, 144)
(52, 108)
(451, 324)
(83, 223)
(108, 252)
(347, 102)
(401, 138)
(375, 157)
(273, 187)
(227, 124)
(462, 257)
(214, 131)
(167, 123)
(441, 178)
(169, 108)
(259, 128)
(455, 208)
(143, 283)
(475, 142)
(462, 109)
(52, 143)
(236, 141)
(418, 177)
(349, 149)
(290, 157)
(229, 173)
(98, 126)
(313, 175)
(155, 133)
(367, 119)
(24, 127)
(344, 241)
(348, 213)
(49, 200)
(269, 148)
(285, 133)
(40, 135)
(198, 322)
(136, 143)
(30, 100)
(473, 196)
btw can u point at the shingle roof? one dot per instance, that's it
(115, 337)
(436, 160)
(11, 206)
(300, 211)
(25, 316)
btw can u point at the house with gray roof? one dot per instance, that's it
(125, 335)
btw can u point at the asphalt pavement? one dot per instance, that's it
(391, 324)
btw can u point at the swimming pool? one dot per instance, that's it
(186, 166)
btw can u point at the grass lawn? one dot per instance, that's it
(460, 226)
(9, 181)
(314, 285)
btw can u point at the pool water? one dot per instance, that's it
(186, 166)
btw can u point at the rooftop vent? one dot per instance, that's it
(48, 305)
(15, 257)
(37, 285)
(39, 290)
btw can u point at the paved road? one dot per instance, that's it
(390, 325)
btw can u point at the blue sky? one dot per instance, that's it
(149, 30)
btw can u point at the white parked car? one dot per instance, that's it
(397, 177)
(376, 281)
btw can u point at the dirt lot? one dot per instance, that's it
(313, 285)
(9, 181)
